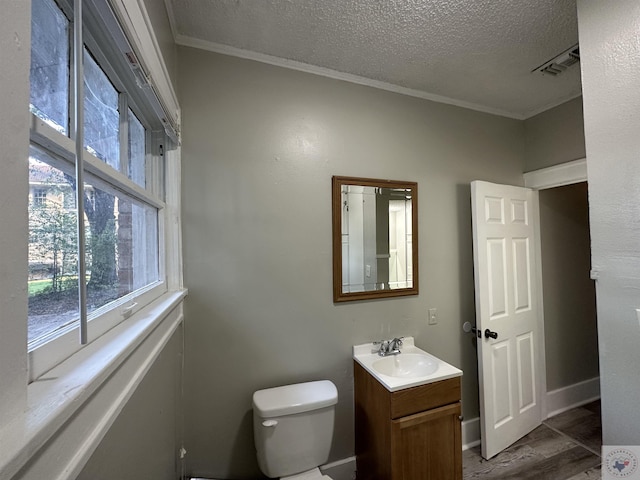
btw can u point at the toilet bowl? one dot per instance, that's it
(293, 429)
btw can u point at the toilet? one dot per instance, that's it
(293, 429)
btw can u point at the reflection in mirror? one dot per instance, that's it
(375, 250)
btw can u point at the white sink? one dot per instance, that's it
(410, 368)
(406, 365)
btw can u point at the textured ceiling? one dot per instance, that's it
(475, 53)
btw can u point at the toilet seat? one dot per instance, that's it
(313, 474)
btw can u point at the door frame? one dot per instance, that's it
(560, 175)
(557, 176)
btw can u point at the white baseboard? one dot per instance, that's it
(344, 469)
(470, 433)
(558, 401)
(573, 396)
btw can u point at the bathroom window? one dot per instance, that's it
(123, 139)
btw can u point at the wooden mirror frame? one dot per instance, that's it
(336, 193)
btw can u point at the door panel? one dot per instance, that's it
(504, 241)
(497, 277)
(526, 371)
(521, 274)
(500, 372)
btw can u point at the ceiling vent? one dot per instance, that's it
(560, 63)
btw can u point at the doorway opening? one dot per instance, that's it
(570, 322)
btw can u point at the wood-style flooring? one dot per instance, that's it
(564, 447)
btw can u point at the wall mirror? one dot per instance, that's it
(375, 238)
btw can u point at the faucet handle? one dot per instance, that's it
(382, 345)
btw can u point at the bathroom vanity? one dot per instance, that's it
(407, 423)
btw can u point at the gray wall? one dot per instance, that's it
(571, 336)
(144, 440)
(260, 146)
(610, 48)
(161, 27)
(554, 136)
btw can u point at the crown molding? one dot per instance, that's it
(187, 41)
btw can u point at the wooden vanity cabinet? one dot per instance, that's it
(411, 434)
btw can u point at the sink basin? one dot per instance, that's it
(406, 365)
(410, 368)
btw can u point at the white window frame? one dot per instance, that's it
(49, 350)
(53, 425)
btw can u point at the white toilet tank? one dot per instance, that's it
(293, 427)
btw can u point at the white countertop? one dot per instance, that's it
(364, 356)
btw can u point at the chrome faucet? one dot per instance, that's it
(388, 347)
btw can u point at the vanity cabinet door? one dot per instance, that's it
(428, 445)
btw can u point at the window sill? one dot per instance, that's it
(71, 407)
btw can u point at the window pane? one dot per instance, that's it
(122, 246)
(53, 248)
(136, 150)
(50, 64)
(101, 119)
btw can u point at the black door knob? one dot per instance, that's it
(489, 334)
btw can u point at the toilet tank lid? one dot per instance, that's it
(292, 399)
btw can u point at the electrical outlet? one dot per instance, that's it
(433, 316)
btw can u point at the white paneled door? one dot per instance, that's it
(507, 313)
